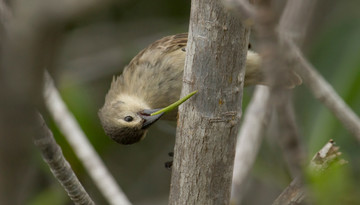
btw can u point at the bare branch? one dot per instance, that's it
(295, 19)
(292, 26)
(249, 140)
(279, 76)
(294, 193)
(323, 91)
(61, 169)
(288, 135)
(81, 146)
(292, 29)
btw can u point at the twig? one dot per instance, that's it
(279, 76)
(249, 140)
(294, 193)
(61, 169)
(288, 135)
(323, 91)
(294, 20)
(292, 26)
(83, 149)
(292, 29)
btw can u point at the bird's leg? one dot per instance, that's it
(169, 164)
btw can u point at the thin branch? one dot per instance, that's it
(279, 76)
(61, 168)
(295, 19)
(81, 146)
(291, 28)
(294, 193)
(323, 91)
(292, 25)
(249, 140)
(288, 135)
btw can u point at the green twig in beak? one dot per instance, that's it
(174, 105)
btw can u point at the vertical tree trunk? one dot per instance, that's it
(209, 122)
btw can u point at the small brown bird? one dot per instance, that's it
(153, 79)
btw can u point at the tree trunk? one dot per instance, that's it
(209, 122)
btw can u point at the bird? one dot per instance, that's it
(153, 80)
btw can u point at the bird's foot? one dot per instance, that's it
(169, 164)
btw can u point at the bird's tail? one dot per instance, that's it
(254, 75)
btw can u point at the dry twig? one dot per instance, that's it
(61, 169)
(276, 69)
(291, 29)
(292, 24)
(323, 91)
(81, 146)
(249, 140)
(295, 193)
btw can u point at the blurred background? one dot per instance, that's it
(98, 46)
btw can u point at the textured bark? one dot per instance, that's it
(209, 122)
(83, 149)
(60, 167)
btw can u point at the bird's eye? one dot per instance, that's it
(128, 118)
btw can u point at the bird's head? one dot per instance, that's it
(125, 119)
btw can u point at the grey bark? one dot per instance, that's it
(52, 155)
(209, 122)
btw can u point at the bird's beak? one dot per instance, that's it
(148, 119)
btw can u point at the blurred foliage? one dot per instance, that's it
(54, 195)
(334, 186)
(98, 46)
